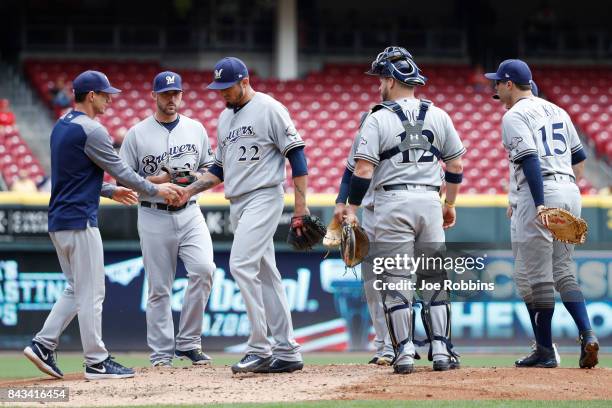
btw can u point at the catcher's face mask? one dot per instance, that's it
(397, 63)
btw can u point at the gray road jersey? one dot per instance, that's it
(381, 131)
(252, 144)
(148, 145)
(534, 125)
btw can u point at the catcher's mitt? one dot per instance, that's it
(313, 231)
(181, 176)
(564, 225)
(333, 237)
(355, 244)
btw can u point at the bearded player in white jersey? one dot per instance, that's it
(167, 139)
(255, 134)
(547, 156)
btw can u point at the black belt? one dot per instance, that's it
(392, 187)
(165, 207)
(557, 176)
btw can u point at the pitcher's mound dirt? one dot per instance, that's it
(200, 385)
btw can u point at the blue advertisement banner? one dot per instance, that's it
(328, 307)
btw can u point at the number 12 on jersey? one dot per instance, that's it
(555, 136)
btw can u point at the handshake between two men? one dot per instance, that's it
(173, 185)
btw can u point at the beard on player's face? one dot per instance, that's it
(168, 108)
(168, 102)
(384, 89)
(234, 96)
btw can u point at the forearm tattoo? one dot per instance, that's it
(201, 185)
(301, 192)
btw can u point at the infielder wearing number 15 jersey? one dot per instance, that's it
(544, 149)
(534, 125)
(255, 140)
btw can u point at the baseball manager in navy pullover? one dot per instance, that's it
(81, 151)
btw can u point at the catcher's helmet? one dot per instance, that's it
(397, 63)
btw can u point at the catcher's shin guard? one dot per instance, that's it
(436, 318)
(399, 324)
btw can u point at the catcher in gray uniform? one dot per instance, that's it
(255, 134)
(155, 148)
(397, 163)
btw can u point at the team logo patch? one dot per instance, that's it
(235, 134)
(218, 73)
(516, 141)
(291, 132)
(169, 79)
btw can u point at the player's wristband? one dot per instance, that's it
(345, 185)
(358, 189)
(454, 178)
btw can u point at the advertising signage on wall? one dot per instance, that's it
(29, 224)
(327, 303)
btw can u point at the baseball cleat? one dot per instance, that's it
(589, 348)
(107, 369)
(162, 363)
(250, 363)
(281, 366)
(385, 360)
(403, 368)
(374, 360)
(43, 358)
(196, 356)
(540, 357)
(557, 355)
(455, 364)
(442, 365)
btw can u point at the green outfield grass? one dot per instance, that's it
(420, 404)
(15, 365)
(403, 404)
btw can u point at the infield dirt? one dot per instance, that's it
(200, 385)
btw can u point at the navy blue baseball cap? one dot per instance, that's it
(227, 72)
(167, 81)
(513, 70)
(93, 81)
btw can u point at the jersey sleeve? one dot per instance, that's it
(452, 147)
(368, 147)
(128, 152)
(284, 134)
(218, 158)
(207, 157)
(517, 137)
(99, 149)
(350, 161)
(572, 134)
